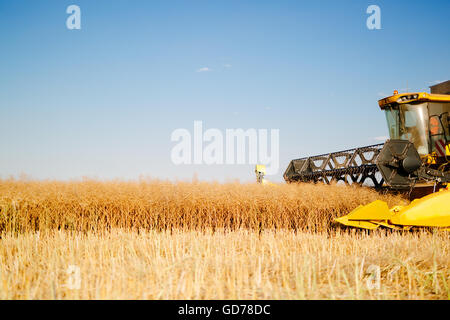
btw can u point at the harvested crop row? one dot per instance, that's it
(224, 265)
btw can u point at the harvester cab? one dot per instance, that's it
(418, 150)
(422, 119)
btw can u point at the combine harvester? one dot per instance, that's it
(416, 159)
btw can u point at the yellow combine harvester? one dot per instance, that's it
(415, 159)
(260, 171)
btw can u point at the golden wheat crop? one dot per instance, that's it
(155, 205)
(162, 240)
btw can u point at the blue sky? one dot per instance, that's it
(102, 102)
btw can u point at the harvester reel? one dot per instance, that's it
(398, 163)
(353, 166)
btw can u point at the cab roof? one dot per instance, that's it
(409, 97)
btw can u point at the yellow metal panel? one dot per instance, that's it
(387, 224)
(421, 96)
(377, 210)
(430, 211)
(356, 223)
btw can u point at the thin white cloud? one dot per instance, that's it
(381, 138)
(204, 69)
(435, 82)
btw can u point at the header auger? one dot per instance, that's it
(416, 159)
